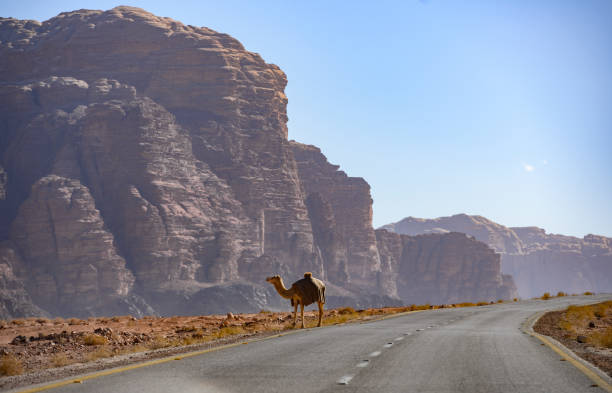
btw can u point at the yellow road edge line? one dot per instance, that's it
(104, 373)
(585, 370)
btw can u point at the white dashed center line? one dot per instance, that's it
(374, 354)
(399, 339)
(345, 380)
(363, 363)
(420, 330)
(388, 345)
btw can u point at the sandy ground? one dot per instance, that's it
(36, 350)
(601, 357)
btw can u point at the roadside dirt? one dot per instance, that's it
(37, 350)
(551, 323)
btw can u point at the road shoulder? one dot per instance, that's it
(599, 377)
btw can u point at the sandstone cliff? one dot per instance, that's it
(144, 156)
(539, 262)
(349, 214)
(444, 268)
(145, 168)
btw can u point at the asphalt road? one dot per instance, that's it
(477, 349)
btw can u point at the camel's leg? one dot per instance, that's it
(302, 310)
(294, 313)
(320, 313)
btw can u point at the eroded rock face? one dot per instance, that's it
(177, 133)
(350, 207)
(443, 268)
(539, 262)
(145, 168)
(71, 259)
(502, 239)
(15, 301)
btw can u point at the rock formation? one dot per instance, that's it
(350, 222)
(539, 262)
(443, 268)
(145, 168)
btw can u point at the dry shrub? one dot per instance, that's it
(229, 331)
(602, 338)
(198, 334)
(337, 319)
(115, 319)
(102, 352)
(588, 293)
(74, 321)
(576, 317)
(482, 304)
(561, 294)
(500, 300)
(10, 365)
(160, 342)
(186, 329)
(42, 321)
(546, 296)
(60, 360)
(265, 312)
(58, 321)
(94, 339)
(515, 300)
(346, 310)
(414, 307)
(18, 322)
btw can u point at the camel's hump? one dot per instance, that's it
(307, 275)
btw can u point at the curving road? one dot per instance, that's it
(478, 349)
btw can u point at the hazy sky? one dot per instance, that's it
(497, 108)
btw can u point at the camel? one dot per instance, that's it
(305, 292)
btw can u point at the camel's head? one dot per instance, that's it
(273, 279)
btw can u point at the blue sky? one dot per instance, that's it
(497, 108)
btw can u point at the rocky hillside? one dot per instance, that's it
(443, 268)
(145, 168)
(538, 261)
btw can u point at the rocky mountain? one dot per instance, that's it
(145, 168)
(538, 261)
(444, 268)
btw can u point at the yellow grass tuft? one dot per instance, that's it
(10, 365)
(588, 293)
(578, 317)
(229, 331)
(346, 310)
(94, 339)
(561, 294)
(546, 296)
(102, 352)
(602, 339)
(60, 360)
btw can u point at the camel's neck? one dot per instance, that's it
(284, 292)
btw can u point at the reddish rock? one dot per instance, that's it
(145, 168)
(443, 268)
(538, 261)
(351, 204)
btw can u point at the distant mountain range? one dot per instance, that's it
(539, 262)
